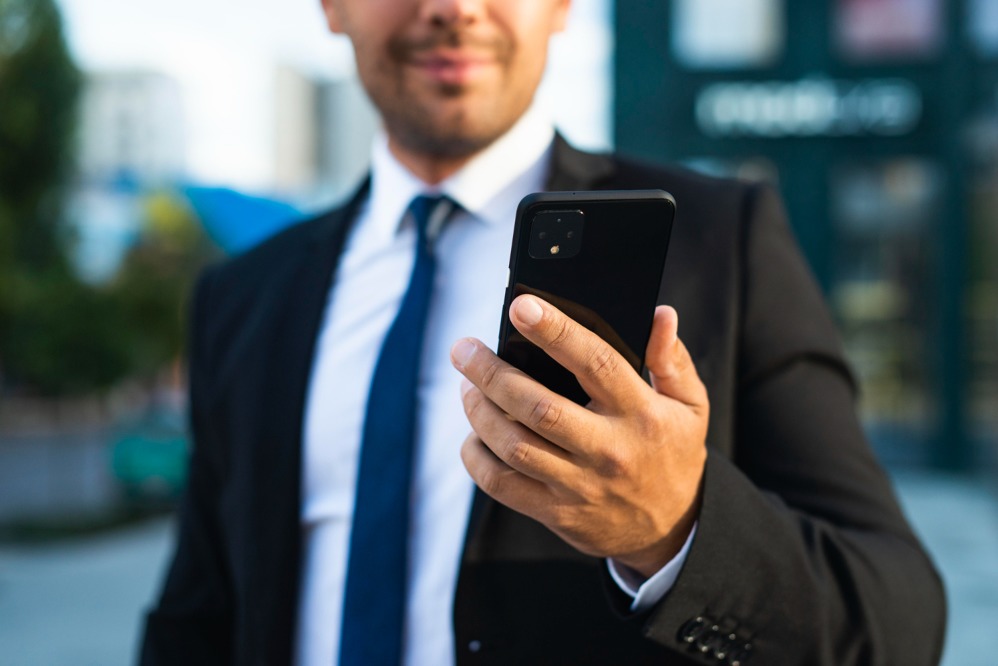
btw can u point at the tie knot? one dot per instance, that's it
(429, 212)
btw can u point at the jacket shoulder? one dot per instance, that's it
(237, 291)
(276, 253)
(688, 186)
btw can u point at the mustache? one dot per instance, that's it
(406, 48)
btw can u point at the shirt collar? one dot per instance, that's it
(512, 165)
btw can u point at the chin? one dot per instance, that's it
(449, 135)
(449, 144)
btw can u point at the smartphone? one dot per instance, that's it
(596, 256)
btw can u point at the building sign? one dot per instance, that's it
(811, 107)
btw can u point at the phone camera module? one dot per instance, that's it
(556, 234)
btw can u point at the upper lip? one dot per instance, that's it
(450, 58)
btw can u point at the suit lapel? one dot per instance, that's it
(301, 302)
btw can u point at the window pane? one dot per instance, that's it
(983, 25)
(982, 300)
(883, 216)
(887, 29)
(716, 34)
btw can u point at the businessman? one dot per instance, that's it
(370, 484)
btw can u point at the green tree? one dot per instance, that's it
(57, 335)
(151, 288)
(39, 88)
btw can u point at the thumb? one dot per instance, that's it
(668, 361)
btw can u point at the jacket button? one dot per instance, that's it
(475, 646)
(692, 629)
(710, 641)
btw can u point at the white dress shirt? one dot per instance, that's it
(367, 290)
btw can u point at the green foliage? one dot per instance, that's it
(67, 337)
(59, 335)
(39, 88)
(151, 287)
(71, 337)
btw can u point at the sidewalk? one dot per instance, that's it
(958, 522)
(80, 603)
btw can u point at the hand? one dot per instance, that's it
(617, 478)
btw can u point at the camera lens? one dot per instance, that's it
(556, 234)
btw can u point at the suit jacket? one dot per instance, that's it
(802, 555)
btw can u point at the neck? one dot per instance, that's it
(431, 169)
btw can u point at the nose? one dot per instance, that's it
(453, 13)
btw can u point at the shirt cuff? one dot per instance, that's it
(648, 592)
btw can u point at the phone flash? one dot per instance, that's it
(555, 249)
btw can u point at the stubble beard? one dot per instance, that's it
(414, 118)
(423, 130)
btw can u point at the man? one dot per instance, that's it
(730, 511)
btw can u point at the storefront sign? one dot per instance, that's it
(811, 107)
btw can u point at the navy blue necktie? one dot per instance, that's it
(375, 596)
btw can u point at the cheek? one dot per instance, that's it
(529, 59)
(530, 47)
(375, 67)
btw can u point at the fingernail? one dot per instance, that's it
(462, 351)
(529, 311)
(465, 387)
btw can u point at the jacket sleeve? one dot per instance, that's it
(802, 555)
(192, 621)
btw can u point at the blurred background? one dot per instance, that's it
(140, 140)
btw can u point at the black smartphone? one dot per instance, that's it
(596, 256)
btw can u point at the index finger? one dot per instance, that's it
(604, 374)
(552, 416)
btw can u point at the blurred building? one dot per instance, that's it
(349, 123)
(131, 139)
(296, 130)
(322, 134)
(878, 120)
(131, 127)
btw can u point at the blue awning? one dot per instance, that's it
(237, 221)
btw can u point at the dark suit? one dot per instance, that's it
(801, 552)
